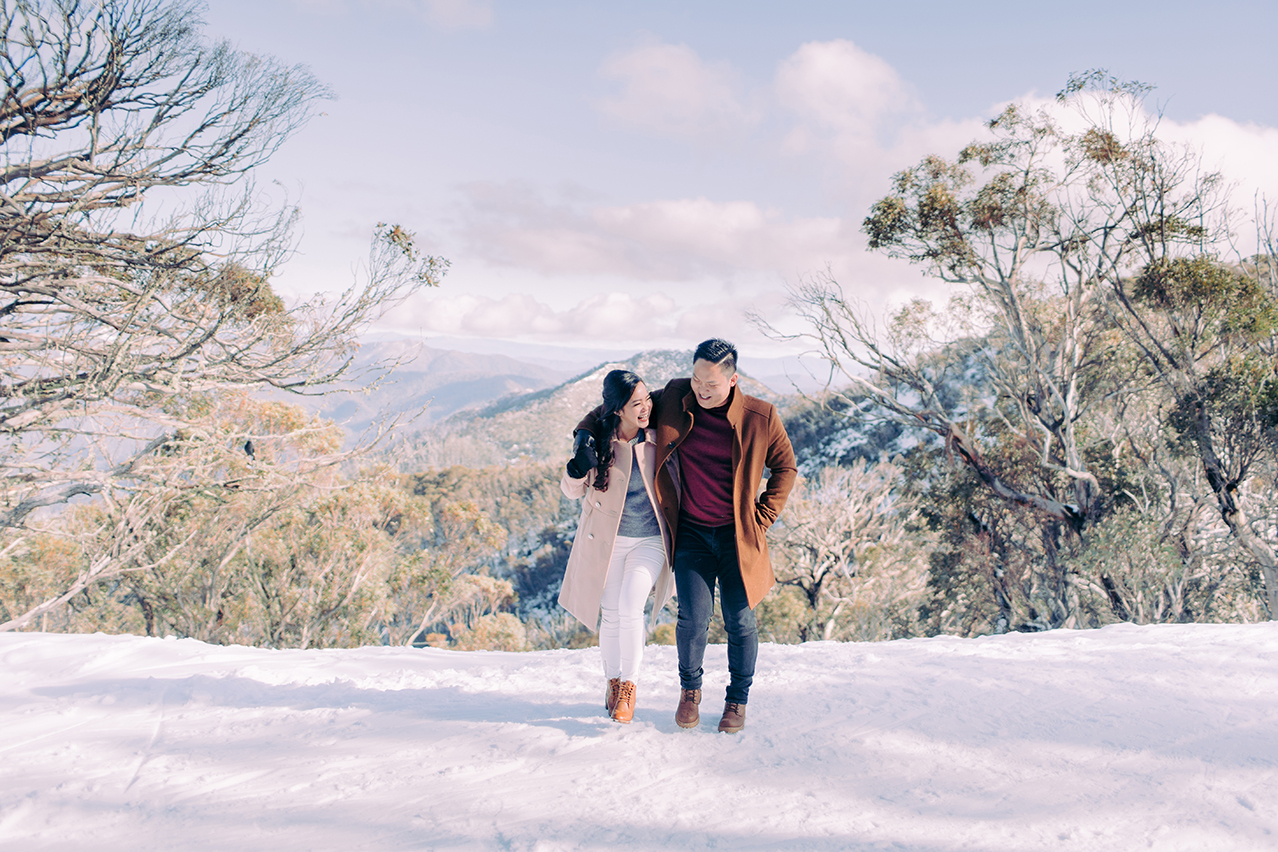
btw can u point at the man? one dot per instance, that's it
(713, 442)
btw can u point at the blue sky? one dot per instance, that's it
(641, 173)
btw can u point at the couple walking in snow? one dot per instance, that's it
(669, 483)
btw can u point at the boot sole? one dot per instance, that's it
(688, 725)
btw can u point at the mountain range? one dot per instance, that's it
(483, 409)
(536, 425)
(420, 385)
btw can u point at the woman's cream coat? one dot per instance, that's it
(597, 532)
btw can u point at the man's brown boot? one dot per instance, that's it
(688, 716)
(610, 694)
(624, 710)
(733, 718)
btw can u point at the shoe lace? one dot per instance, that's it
(626, 693)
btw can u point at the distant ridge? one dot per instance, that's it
(537, 426)
(427, 383)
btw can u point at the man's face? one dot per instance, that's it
(711, 384)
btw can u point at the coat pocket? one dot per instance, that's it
(594, 507)
(761, 522)
(597, 517)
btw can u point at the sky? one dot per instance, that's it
(1129, 737)
(643, 174)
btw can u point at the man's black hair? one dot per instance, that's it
(717, 351)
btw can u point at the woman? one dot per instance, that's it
(622, 549)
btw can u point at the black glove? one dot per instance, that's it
(584, 458)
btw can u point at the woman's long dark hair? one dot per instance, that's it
(618, 387)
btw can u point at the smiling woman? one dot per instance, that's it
(623, 545)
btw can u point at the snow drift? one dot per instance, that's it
(1115, 739)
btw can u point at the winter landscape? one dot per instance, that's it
(1157, 737)
(301, 302)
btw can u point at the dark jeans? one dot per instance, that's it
(702, 556)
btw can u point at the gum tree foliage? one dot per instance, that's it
(446, 576)
(136, 255)
(1202, 328)
(262, 556)
(1157, 558)
(1205, 331)
(1072, 239)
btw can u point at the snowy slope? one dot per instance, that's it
(1118, 739)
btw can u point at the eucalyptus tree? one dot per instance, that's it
(1039, 230)
(1205, 330)
(136, 252)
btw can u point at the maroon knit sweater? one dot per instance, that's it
(705, 457)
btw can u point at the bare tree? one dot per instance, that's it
(846, 545)
(135, 255)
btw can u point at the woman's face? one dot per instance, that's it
(633, 416)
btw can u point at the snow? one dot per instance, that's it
(1116, 739)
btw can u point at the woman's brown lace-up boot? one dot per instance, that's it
(624, 711)
(610, 694)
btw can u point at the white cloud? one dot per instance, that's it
(614, 319)
(667, 89)
(1246, 154)
(843, 95)
(666, 240)
(841, 105)
(615, 316)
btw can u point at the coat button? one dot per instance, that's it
(597, 504)
(590, 535)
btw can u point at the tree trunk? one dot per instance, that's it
(1232, 513)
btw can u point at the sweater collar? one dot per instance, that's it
(732, 409)
(643, 436)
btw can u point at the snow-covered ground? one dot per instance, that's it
(1119, 739)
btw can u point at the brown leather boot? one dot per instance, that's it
(610, 694)
(624, 710)
(688, 716)
(733, 718)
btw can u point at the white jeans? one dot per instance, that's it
(633, 571)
